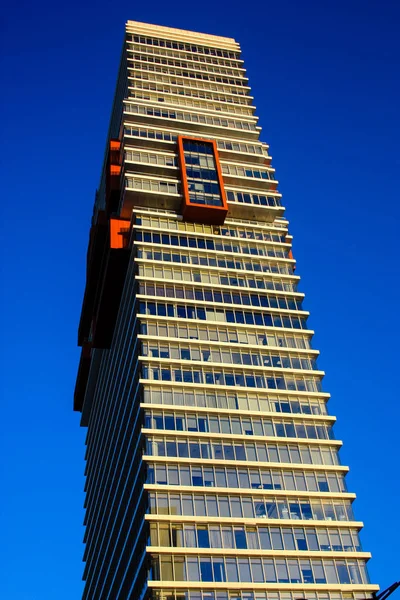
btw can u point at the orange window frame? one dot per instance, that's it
(201, 213)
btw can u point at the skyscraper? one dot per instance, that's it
(212, 468)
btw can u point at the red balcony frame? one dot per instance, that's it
(201, 213)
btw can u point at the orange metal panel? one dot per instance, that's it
(115, 145)
(114, 154)
(200, 213)
(115, 170)
(118, 231)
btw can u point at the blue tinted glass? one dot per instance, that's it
(203, 539)
(205, 570)
(201, 173)
(240, 539)
(219, 570)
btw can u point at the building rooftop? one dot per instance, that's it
(182, 35)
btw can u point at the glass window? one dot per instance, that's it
(276, 538)
(257, 572)
(215, 537)
(193, 573)
(212, 506)
(343, 572)
(231, 570)
(244, 569)
(166, 568)
(294, 571)
(300, 539)
(190, 536)
(306, 571)
(200, 506)
(206, 573)
(288, 539)
(312, 539)
(203, 537)
(282, 572)
(227, 537)
(269, 570)
(319, 572)
(218, 569)
(240, 538)
(330, 572)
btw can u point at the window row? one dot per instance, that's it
(247, 198)
(239, 146)
(152, 185)
(199, 192)
(169, 113)
(210, 260)
(247, 172)
(187, 47)
(239, 451)
(180, 62)
(221, 334)
(226, 355)
(176, 535)
(194, 57)
(240, 317)
(210, 244)
(201, 174)
(199, 154)
(151, 158)
(162, 594)
(206, 95)
(187, 83)
(256, 479)
(202, 192)
(270, 508)
(257, 570)
(208, 505)
(217, 278)
(228, 230)
(182, 100)
(211, 376)
(219, 296)
(199, 75)
(149, 133)
(231, 425)
(251, 233)
(233, 401)
(203, 181)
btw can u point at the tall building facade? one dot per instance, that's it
(212, 469)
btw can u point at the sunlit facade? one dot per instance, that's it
(212, 469)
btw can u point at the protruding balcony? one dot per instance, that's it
(249, 177)
(254, 204)
(231, 153)
(156, 141)
(204, 198)
(266, 214)
(149, 191)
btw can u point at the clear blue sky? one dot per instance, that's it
(325, 76)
